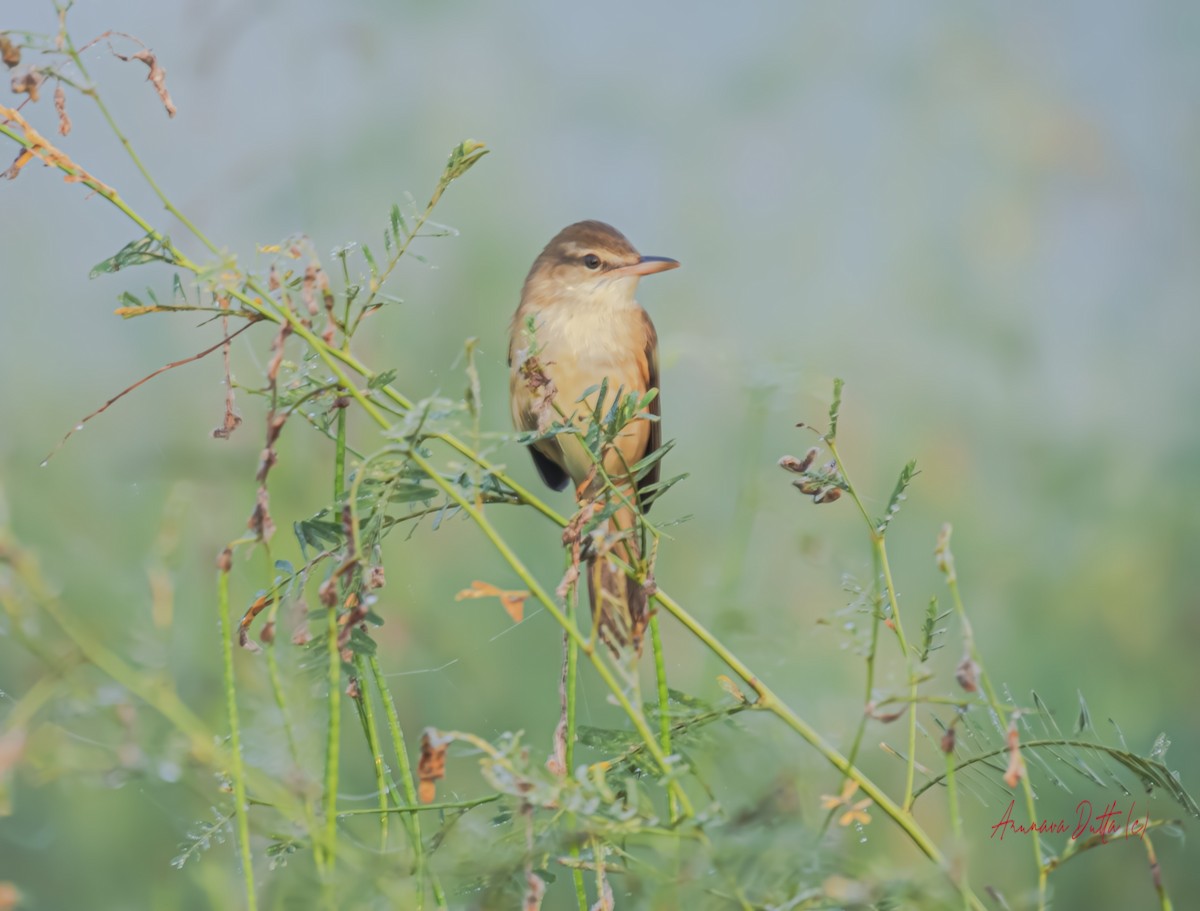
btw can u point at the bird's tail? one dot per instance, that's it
(618, 601)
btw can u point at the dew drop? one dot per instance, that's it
(44, 463)
(78, 427)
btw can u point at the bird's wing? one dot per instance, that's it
(554, 475)
(648, 363)
(544, 451)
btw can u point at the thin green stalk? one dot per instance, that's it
(910, 769)
(877, 542)
(769, 701)
(664, 698)
(310, 816)
(339, 457)
(571, 684)
(332, 734)
(1164, 900)
(367, 716)
(412, 822)
(202, 744)
(91, 92)
(869, 684)
(237, 770)
(635, 715)
(956, 822)
(946, 563)
(426, 807)
(22, 713)
(879, 547)
(73, 170)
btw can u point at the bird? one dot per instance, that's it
(579, 327)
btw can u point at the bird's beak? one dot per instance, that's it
(647, 265)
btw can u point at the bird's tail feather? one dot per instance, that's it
(618, 601)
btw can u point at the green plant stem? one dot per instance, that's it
(956, 824)
(339, 458)
(332, 734)
(879, 547)
(1001, 712)
(237, 769)
(425, 807)
(770, 702)
(91, 92)
(412, 822)
(664, 698)
(367, 716)
(860, 729)
(1164, 900)
(572, 685)
(310, 816)
(638, 719)
(203, 745)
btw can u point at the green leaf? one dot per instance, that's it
(930, 629)
(898, 496)
(474, 393)
(1084, 721)
(605, 739)
(410, 493)
(652, 492)
(835, 408)
(449, 511)
(640, 467)
(397, 223)
(381, 379)
(601, 391)
(370, 260)
(360, 643)
(143, 250)
(462, 158)
(318, 533)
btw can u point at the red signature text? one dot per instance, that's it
(1111, 823)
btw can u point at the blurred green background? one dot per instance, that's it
(985, 219)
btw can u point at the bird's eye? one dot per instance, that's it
(592, 261)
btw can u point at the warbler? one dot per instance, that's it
(577, 326)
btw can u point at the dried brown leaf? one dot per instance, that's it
(23, 158)
(948, 740)
(512, 601)
(967, 674)
(28, 81)
(535, 890)
(260, 521)
(431, 767)
(1016, 763)
(12, 747)
(60, 105)
(157, 76)
(10, 53)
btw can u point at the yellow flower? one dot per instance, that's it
(855, 812)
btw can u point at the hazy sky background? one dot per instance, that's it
(985, 219)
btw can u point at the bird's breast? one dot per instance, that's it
(592, 339)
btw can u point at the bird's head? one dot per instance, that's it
(586, 260)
